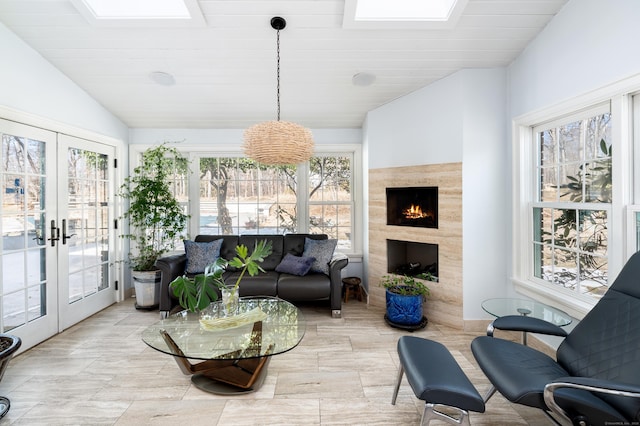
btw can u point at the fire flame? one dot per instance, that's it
(415, 212)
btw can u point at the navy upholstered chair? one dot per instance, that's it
(596, 377)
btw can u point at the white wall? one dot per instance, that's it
(423, 127)
(588, 44)
(33, 86)
(486, 211)
(460, 118)
(232, 137)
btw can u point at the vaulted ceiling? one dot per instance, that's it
(225, 68)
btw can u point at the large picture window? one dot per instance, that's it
(573, 202)
(239, 196)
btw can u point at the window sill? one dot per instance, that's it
(552, 296)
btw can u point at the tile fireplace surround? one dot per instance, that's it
(444, 305)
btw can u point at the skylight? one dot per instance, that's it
(138, 9)
(404, 10)
(402, 14)
(140, 12)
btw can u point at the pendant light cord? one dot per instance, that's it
(278, 70)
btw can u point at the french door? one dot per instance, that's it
(56, 244)
(85, 190)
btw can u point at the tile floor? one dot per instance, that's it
(99, 372)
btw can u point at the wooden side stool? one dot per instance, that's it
(352, 285)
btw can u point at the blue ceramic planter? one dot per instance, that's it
(404, 310)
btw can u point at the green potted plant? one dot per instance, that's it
(405, 295)
(156, 218)
(197, 292)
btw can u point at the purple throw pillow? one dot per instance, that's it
(295, 265)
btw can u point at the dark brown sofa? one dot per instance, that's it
(293, 288)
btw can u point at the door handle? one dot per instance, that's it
(55, 234)
(39, 238)
(65, 237)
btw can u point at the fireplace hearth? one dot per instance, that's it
(413, 206)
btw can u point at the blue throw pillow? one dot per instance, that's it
(295, 265)
(199, 255)
(322, 251)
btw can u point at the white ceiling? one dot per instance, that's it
(225, 71)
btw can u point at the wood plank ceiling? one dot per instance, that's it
(225, 71)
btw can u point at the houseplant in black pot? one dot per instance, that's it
(405, 295)
(156, 219)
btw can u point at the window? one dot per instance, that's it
(226, 193)
(331, 198)
(576, 196)
(573, 202)
(239, 196)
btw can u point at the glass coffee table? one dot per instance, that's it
(501, 307)
(233, 351)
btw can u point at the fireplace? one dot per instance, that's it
(411, 258)
(413, 206)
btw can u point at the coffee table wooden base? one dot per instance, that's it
(225, 376)
(208, 382)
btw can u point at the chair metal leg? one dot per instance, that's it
(430, 413)
(395, 391)
(489, 394)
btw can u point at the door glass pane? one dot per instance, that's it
(35, 299)
(36, 157)
(23, 292)
(13, 314)
(86, 224)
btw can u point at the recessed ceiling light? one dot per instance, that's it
(363, 79)
(162, 78)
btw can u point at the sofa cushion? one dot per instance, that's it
(322, 251)
(199, 255)
(263, 284)
(311, 287)
(295, 265)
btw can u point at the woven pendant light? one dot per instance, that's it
(278, 142)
